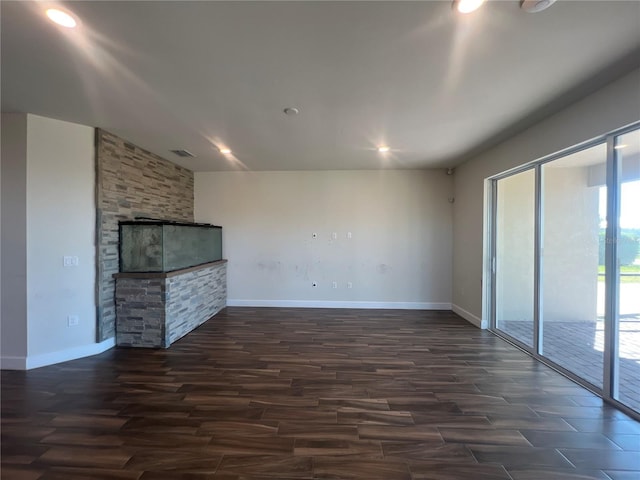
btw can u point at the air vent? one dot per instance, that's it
(535, 6)
(183, 153)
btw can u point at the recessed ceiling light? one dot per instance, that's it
(383, 148)
(467, 6)
(61, 17)
(225, 151)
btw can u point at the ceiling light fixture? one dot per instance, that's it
(291, 111)
(467, 6)
(61, 17)
(225, 151)
(383, 149)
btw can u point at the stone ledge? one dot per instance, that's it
(173, 273)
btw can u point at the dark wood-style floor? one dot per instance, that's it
(265, 394)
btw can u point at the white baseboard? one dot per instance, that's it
(13, 363)
(35, 361)
(470, 317)
(339, 304)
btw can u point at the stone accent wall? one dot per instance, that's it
(140, 311)
(155, 312)
(193, 298)
(130, 182)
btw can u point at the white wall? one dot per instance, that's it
(614, 106)
(60, 221)
(399, 255)
(57, 220)
(13, 158)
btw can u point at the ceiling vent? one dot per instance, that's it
(535, 6)
(183, 153)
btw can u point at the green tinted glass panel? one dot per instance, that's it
(188, 246)
(141, 248)
(167, 247)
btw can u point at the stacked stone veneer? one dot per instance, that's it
(155, 312)
(130, 182)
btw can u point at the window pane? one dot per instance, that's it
(574, 212)
(628, 378)
(515, 235)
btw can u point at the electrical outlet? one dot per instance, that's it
(314, 284)
(70, 261)
(72, 320)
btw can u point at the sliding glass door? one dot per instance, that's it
(565, 257)
(626, 381)
(514, 259)
(572, 291)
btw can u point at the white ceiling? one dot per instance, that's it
(434, 85)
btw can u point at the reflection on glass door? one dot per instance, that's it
(573, 219)
(514, 255)
(627, 379)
